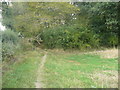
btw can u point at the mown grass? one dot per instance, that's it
(62, 70)
(79, 70)
(22, 74)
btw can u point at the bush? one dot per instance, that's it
(9, 36)
(110, 41)
(69, 37)
(10, 43)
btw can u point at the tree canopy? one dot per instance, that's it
(89, 22)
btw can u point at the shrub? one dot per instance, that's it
(110, 41)
(10, 43)
(68, 37)
(9, 36)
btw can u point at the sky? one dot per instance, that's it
(2, 28)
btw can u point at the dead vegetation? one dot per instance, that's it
(112, 53)
(108, 53)
(105, 79)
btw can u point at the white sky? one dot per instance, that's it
(2, 28)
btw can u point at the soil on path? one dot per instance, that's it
(38, 83)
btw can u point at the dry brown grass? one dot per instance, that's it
(108, 53)
(112, 53)
(105, 79)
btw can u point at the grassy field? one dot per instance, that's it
(22, 74)
(79, 70)
(63, 70)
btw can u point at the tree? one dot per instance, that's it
(7, 15)
(34, 17)
(102, 18)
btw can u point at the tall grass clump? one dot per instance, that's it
(10, 44)
(69, 37)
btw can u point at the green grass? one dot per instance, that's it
(61, 70)
(71, 71)
(22, 74)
